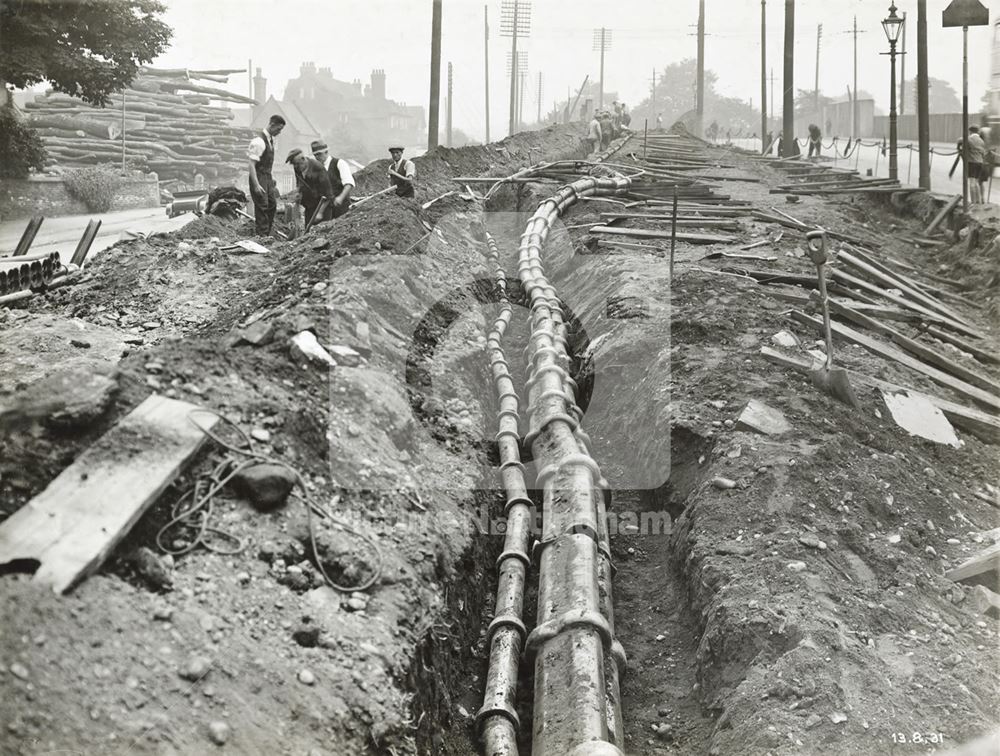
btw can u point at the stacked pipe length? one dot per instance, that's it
(27, 271)
(577, 659)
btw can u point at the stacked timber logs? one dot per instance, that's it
(170, 125)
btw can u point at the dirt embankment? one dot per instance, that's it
(797, 607)
(389, 440)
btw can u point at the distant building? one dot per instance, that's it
(356, 122)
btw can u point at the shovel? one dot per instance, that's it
(827, 378)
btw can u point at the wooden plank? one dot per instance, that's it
(981, 425)
(688, 221)
(925, 353)
(895, 281)
(965, 346)
(845, 278)
(72, 526)
(891, 353)
(942, 215)
(981, 565)
(649, 234)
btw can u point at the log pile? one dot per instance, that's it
(171, 127)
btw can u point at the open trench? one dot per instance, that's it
(661, 701)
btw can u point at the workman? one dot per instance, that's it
(402, 172)
(263, 190)
(626, 117)
(312, 182)
(341, 179)
(594, 135)
(815, 140)
(977, 171)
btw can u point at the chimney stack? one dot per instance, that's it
(378, 84)
(259, 88)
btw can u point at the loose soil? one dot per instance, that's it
(734, 646)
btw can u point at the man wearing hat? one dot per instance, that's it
(312, 182)
(401, 173)
(341, 179)
(262, 187)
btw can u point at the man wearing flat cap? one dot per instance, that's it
(402, 172)
(341, 179)
(312, 182)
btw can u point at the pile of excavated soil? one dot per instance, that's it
(389, 441)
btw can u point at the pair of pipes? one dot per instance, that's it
(23, 272)
(578, 662)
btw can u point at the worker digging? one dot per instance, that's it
(425, 399)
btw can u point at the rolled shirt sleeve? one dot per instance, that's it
(256, 148)
(346, 177)
(411, 169)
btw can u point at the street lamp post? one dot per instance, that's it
(893, 24)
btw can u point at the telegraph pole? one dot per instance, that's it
(819, 36)
(700, 97)
(448, 127)
(774, 113)
(923, 120)
(902, 70)
(763, 75)
(788, 99)
(652, 99)
(432, 116)
(855, 115)
(522, 76)
(486, 66)
(515, 21)
(602, 42)
(539, 97)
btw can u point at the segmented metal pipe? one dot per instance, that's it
(577, 662)
(497, 719)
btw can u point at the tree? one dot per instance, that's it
(85, 48)
(675, 96)
(805, 100)
(20, 146)
(941, 97)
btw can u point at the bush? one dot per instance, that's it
(20, 146)
(94, 186)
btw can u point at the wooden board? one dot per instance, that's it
(980, 424)
(72, 526)
(979, 568)
(648, 234)
(952, 204)
(890, 352)
(925, 353)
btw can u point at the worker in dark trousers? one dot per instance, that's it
(341, 179)
(402, 172)
(312, 182)
(263, 190)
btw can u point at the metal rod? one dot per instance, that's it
(673, 235)
(893, 167)
(486, 66)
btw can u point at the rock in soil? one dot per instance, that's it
(219, 732)
(266, 486)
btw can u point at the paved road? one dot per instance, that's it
(866, 158)
(62, 234)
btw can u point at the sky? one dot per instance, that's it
(352, 37)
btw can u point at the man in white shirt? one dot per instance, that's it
(263, 190)
(594, 134)
(401, 173)
(341, 179)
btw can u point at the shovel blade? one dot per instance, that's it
(836, 383)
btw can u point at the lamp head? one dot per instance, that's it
(892, 25)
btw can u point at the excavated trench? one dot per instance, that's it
(659, 468)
